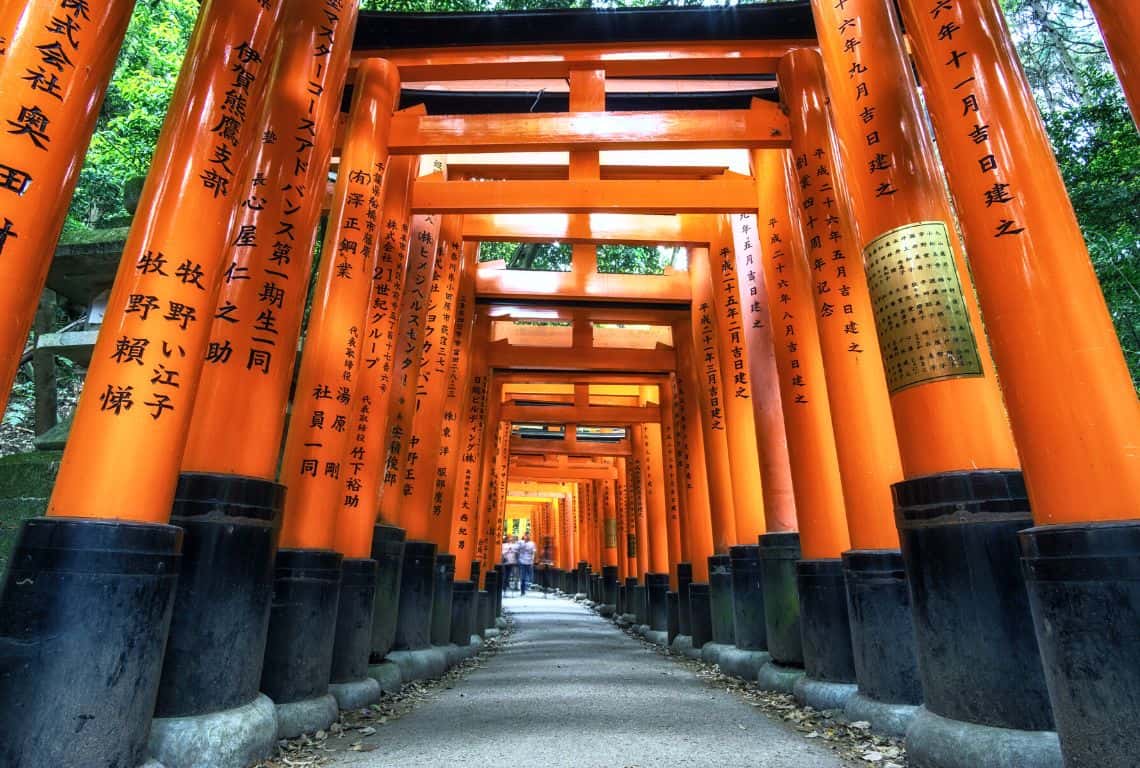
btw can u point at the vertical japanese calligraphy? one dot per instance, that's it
(58, 59)
(775, 473)
(747, 487)
(257, 321)
(319, 430)
(893, 180)
(132, 420)
(811, 442)
(865, 441)
(1035, 282)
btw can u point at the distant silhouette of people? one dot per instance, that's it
(525, 556)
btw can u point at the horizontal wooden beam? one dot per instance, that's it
(530, 377)
(763, 126)
(581, 283)
(505, 356)
(521, 445)
(606, 415)
(730, 194)
(567, 474)
(657, 59)
(593, 229)
(556, 172)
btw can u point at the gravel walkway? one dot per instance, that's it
(569, 690)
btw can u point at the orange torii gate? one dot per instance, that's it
(851, 163)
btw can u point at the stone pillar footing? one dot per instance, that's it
(776, 677)
(884, 717)
(388, 675)
(421, 664)
(821, 694)
(938, 742)
(711, 652)
(306, 716)
(658, 637)
(743, 663)
(232, 738)
(356, 694)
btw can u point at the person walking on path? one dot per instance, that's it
(510, 559)
(525, 556)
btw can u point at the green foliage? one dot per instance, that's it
(541, 257)
(1096, 143)
(134, 109)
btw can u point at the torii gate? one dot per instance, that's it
(826, 274)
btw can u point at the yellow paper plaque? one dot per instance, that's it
(924, 328)
(611, 532)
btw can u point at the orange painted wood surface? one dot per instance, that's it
(123, 458)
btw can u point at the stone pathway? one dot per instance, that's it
(569, 690)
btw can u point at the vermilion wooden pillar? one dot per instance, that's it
(358, 507)
(947, 409)
(638, 472)
(467, 398)
(697, 524)
(417, 482)
(1119, 20)
(970, 608)
(135, 411)
(609, 524)
(706, 362)
(88, 599)
(318, 437)
(257, 319)
(673, 492)
(803, 387)
(768, 415)
(736, 387)
(653, 474)
(856, 387)
(423, 268)
(1070, 397)
(54, 72)
(1077, 433)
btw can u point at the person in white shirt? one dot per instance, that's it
(510, 559)
(525, 557)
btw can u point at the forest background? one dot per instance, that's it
(1059, 43)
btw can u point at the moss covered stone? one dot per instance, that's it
(26, 481)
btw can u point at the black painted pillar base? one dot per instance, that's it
(417, 592)
(299, 645)
(84, 616)
(656, 589)
(629, 604)
(476, 567)
(684, 617)
(349, 682)
(671, 627)
(749, 629)
(388, 552)
(720, 599)
(982, 679)
(882, 641)
(701, 615)
(619, 611)
(485, 617)
(610, 585)
(225, 587)
(441, 601)
(829, 664)
(302, 625)
(778, 555)
(494, 594)
(463, 607)
(1084, 592)
(640, 606)
(582, 584)
(353, 641)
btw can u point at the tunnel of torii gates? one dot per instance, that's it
(789, 453)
